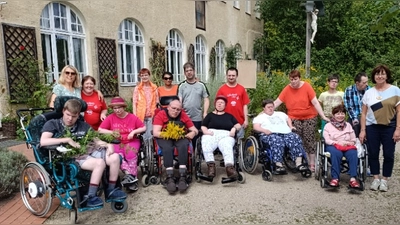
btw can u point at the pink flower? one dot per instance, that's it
(115, 76)
(22, 48)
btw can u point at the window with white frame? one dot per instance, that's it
(131, 52)
(63, 40)
(236, 4)
(220, 60)
(200, 58)
(257, 10)
(248, 7)
(174, 55)
(238, 52)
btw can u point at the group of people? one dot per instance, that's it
(372, 118)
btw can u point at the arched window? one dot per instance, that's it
(200, 58)
(174, 55)
(220, 59)
(63, 40)
(238, 51)
(131, 50)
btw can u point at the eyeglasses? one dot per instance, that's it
(167, 78)
(176, 109)
(70, 73)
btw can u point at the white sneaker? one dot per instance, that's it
(384, 186)
(375, 185)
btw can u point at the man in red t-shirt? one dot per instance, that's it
(175, 114)
(237, 98)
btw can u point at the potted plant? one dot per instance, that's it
(9, 126)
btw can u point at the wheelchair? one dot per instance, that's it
(199, 157)
(253, 153)
(147, 162)
(157, 176)
(52, 175)
(323, 167)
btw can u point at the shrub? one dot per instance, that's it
(11, 165)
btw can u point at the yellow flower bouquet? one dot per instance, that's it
(173, 131)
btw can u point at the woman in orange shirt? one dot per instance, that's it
(302, 108)
(168, 89)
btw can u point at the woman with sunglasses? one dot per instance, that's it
(68, 85)
(168, 90)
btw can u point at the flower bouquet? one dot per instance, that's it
(173, 131)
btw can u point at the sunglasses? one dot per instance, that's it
(72, 73)
(167, 78)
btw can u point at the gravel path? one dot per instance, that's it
(288, 199)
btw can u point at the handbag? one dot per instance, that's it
(345, 148)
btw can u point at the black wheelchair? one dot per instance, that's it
(199, 158)
(323, 166)
(254, 152)
(53, 175)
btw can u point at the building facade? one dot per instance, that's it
(113, 40)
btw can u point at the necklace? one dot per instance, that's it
(379, 96)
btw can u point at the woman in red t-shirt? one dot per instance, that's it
(96, 110)
(302, 107)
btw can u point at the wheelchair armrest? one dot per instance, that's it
(115, 141)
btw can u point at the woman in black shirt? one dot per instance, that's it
(219, 129)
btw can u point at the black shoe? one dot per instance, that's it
(182, 183)
(133, 187)
(170, 184)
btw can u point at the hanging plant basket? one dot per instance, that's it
(9, 129)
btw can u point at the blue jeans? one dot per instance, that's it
(378, 135)
(336, 161)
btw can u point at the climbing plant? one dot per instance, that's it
(157, 61)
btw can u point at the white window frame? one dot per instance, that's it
(174, 51)
(236, 4)
(131, 47)
(74, 45)
(248, 7)
(257, 10)
(220, 59)
(200, 52)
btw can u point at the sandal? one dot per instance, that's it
(280, 169)
(302, 168)
(334, 183)
(354, 184)
(312, 168)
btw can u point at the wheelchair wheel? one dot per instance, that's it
(250, 155)
(145, 180)
(150, 156)
(73, 216)
(119, 207)
(306, 173)
(267, 175)
(35, 188)
(155, 180)
(322, 182)
(290, 164)
(241, 178)
(318, 161)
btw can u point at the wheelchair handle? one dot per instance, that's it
(31, 110)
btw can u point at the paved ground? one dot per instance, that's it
(289, 199)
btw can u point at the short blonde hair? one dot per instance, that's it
(61, 80)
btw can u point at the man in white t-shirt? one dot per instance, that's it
(276, 132)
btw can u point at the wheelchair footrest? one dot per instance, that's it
(89, 208)
(115, 200)
(225, 180)
(206, 178)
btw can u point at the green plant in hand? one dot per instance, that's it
(85, 142)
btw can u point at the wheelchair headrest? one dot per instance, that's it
(165, 100)
(61, 100)
(36, 124)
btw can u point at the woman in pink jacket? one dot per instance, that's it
(340, 141)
